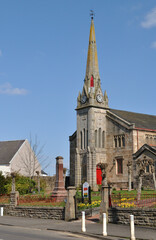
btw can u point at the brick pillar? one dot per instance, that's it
(59, 193)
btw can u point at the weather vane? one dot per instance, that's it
(92, 14)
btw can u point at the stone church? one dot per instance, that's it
(104, 135)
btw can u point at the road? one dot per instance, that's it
(21, 233)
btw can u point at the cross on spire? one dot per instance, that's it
(92, 14)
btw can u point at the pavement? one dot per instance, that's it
(93, 227)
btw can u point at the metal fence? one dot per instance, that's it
(133, 200)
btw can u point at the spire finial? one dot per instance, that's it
(92, 14)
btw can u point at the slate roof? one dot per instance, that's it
(141, 120)
(8, 150)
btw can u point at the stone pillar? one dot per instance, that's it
(89, 167)
(38, 181)
(59, 193)
(14, 195)
(14, 198)
(153, 174)
(70, 208)
(104, 202)
(94, 184)
(129, 165)
(13, 187)
(104, 192)
(140, 175)
(77, 169)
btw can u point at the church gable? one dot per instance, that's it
(146, 150)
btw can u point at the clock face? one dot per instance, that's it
(83, 99)
(99, 98)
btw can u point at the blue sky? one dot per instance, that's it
(43, 54)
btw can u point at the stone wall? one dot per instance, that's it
(142, 217)
(57, 213)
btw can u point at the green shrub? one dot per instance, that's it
(23, 185)
(3, 182)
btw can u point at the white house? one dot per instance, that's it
(18, 156)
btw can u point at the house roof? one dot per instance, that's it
(8, 149)
(140, 120)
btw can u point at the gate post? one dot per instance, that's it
(70, 208)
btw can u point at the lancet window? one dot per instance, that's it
(96, 138)
(99, 138)
(81, 139)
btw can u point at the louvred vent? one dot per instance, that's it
(92, 81)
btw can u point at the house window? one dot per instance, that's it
(119, 166)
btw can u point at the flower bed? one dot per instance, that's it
(94, 204)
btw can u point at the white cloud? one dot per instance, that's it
(150, 19)
(0, 52)
(9, 90)
(153, 45)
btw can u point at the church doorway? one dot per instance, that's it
(98, 176)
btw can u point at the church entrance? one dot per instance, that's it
(98, 175)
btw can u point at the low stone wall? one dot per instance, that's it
(57, 213)
(142, 217)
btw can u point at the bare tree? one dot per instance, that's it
(32, 157)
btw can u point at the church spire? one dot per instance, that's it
(92, 68)
(92, 92)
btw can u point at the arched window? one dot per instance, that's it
(115, 141)
(119, 141)
(95, 138)
(87, 137)
(84, 140)
(123, 141)
(99, 137)
(103, 139)
(81, 138)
